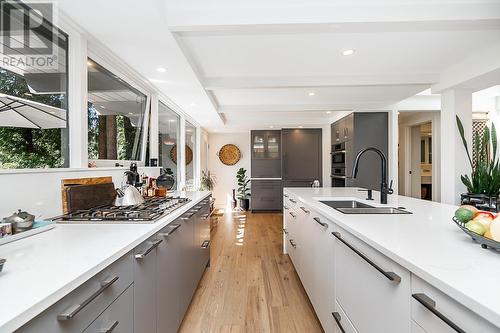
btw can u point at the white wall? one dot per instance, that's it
(39, 191)
(226, 175)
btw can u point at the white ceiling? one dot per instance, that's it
(236, 65)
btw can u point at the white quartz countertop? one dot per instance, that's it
(42, 269)
(427, 243)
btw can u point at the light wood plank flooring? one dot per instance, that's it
(251, 286)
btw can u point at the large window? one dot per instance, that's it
(190, 155)
(116, 113)
(33, 92)
(168, 139)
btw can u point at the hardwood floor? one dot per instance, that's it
(250, 286)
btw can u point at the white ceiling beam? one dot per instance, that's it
(216, 83)
(340, 27)
(229, 13)
(296, 107)
(480, 71)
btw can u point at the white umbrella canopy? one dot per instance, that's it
(20, 112)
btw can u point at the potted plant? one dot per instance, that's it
(208, 181)
(243, 189)
(483, 184)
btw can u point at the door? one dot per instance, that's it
(416, 180)
(302, 155)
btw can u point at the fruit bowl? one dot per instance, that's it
(484, 241)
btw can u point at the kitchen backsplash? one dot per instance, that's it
(39, 192)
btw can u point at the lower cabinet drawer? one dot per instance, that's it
(373, 290)
(266, 195)
(118, 317)
(81, 307)
(436, 312)
(342, 322)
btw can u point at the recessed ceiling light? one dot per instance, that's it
(347, 52)
(161, 69)
(328, 112)
(312, 93)
(271, 126)
(301, 126)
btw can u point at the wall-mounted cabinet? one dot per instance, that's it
(266, 154)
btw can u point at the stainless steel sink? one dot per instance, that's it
(346, 204)
(356, 207)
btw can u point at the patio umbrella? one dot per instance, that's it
(20, 112)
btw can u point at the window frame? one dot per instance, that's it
(102, 57)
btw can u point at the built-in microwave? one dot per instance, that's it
(338, 155)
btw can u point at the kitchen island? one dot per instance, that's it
(390, 272)
(41, 271)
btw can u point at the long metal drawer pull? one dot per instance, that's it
(337, 318)
(390, 275)
(292, 200)
(285, 231)
(171, 231)
(430, 305)
(154, 244)
(305, 210)
(206, 216)
(110, 328)
(292, 243)
(188, 215)
(73, 311)
(286, 207)
(293, 214)
(205, 244)
(285, 195)
(323, 224)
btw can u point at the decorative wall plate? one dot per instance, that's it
(229, 154)
(189, 154)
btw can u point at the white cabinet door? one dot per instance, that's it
(436, 312)
(342, 323)
(145, 283)
(117, 318)
(321, 264)
(373, 290)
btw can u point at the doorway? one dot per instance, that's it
(421, 161)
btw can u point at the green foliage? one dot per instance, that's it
(485, 172)
(243, 181)
(30, 147)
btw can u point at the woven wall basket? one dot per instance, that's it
(189, 154)
(229, 154)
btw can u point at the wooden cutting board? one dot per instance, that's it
(67, 183)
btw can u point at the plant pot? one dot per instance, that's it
(489, 203)
(245, 204)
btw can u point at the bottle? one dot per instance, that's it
(151, 190)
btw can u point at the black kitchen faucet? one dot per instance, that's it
(384, 189)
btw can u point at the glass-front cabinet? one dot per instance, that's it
(266, 154)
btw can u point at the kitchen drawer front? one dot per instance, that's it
(341, 322)
(367, 286)
(449, 309)
(115, 278)
(266, 195)
(118, 317)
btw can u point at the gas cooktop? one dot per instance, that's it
(147, 212)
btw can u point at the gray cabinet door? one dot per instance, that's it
(302, 154)
(118, 317)
(266, 154)
(267, 195)
(145, 282)
(169, 278)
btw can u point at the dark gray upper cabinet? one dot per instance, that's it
(302, 156)
(360, 130)
(266, 154)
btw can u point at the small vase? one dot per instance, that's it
(233, 201)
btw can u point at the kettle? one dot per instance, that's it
(128, 196)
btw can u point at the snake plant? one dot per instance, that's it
(485, 168)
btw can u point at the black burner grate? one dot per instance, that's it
(150, 210)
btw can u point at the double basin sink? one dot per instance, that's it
(356, 207)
